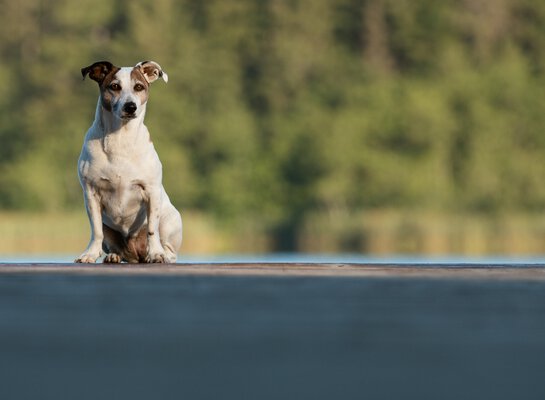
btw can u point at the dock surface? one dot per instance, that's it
(272, 331)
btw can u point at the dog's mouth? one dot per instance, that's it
(127, 117)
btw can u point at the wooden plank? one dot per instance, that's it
(365, 331)
(434, 271)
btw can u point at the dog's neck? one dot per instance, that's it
(118, 135)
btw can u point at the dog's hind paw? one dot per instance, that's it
(112, 258)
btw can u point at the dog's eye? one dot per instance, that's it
(115, 87)
(138, 87)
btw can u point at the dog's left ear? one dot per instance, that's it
(98, 71)
(152, 71)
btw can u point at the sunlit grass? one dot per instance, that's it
(68, 233)
(385, 232)
(380, 232)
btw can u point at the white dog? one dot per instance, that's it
(130, 213)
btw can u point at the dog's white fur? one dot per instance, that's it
(131, 216)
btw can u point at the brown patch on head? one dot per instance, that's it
(106, 94)
(152, 71)
(140, 85)
(99, 71)
(103, 72)
(138, 76)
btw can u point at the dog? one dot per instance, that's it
(131, 216)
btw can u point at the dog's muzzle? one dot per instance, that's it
(129, 109)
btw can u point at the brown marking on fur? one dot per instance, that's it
(103, 72)
(137, 77)
(151, 71)
(133, 249)
(113, 240)
(106, 94)
(137, 245)
(99, 71)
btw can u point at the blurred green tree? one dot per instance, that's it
(278, 109)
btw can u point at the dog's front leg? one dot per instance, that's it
(156, 252)
(92, 205)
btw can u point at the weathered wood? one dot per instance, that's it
(272, 331)
(437, 271)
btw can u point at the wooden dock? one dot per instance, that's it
(535, 272)
(272, 331)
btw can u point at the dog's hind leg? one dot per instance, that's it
(112, 245)
(136, 247)
(119, 248)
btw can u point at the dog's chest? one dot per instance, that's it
(120, 178)
(120, 185)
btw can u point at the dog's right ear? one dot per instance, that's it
(98, 71)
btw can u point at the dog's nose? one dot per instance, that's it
(129, 107)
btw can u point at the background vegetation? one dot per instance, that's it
(292, 119)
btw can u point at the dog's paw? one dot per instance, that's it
(112, 258)
(156, 258)
(87, 258)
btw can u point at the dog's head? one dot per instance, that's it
(124, 91)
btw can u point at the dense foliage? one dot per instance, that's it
(280, 108)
